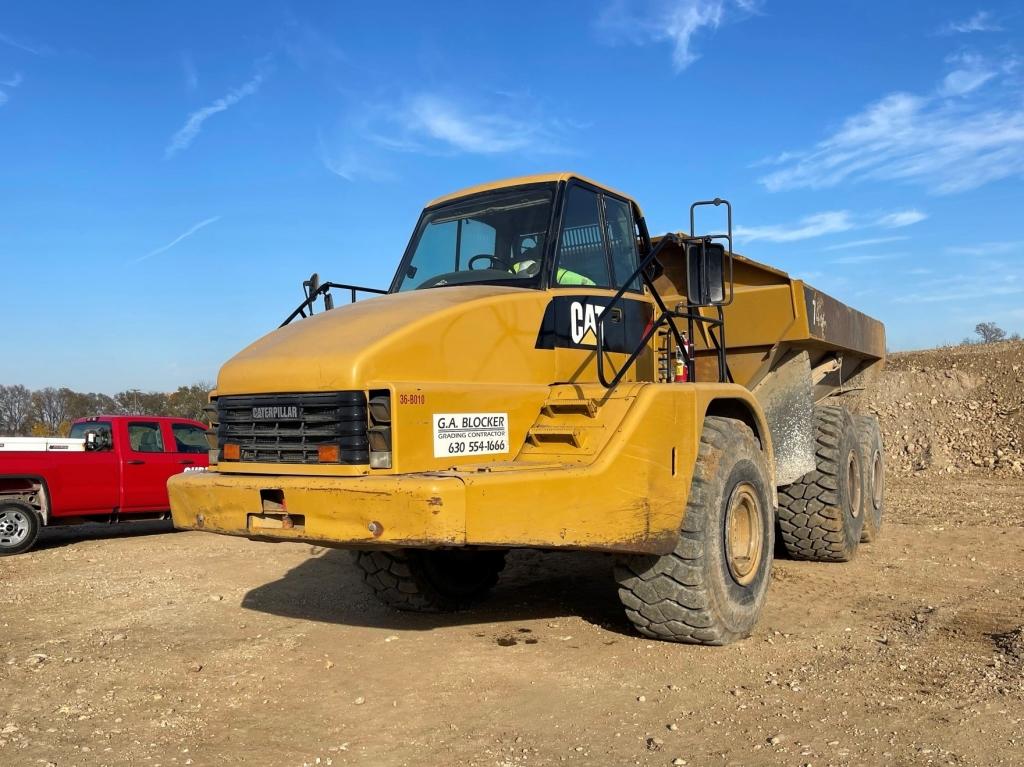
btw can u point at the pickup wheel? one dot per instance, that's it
(711, 588)
(19, 527)
(821, 515)
(425, 580)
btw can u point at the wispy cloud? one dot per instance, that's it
(183, 236)
(194, 124)
(866, 258)
(945, 144)
(36, 49)
(972, 71)
(989, 248)
(11, 82)
(962, 287)
(346, 161)
(833, 222)
(980, 22)
(443, 125)
(676, 22)
(866, 242)
(189, 71)
(900, 218)
(475, 133)
(806, 228)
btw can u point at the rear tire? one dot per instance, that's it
(711, 588)
(19, 527)
(873, 455)
(821, 515)
(426, 580)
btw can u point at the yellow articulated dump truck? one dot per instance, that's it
(543, 373)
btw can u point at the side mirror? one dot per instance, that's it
(705, 273)
(312, 285)
(90, 440)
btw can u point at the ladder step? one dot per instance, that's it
(586, 405)
(565, 434)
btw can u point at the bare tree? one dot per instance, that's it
(189, 401)
(989, 332)
(136, 402)
(50, 411)
(15, 409)
(50, 408)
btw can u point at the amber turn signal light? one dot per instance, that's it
(328, 453)
(232, 452)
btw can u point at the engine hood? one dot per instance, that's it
(478, 333)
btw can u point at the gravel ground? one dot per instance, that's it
(172, 649)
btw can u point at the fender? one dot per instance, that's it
(44, 492)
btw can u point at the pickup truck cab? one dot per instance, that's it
(118, 474)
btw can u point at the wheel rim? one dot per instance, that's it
(14, 527)
(877, 473)
(744, 534)
(853, 482)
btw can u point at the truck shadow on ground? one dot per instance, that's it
(55, 537)
(534, 585)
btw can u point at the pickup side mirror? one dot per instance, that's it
(705, 274)
(98, 440)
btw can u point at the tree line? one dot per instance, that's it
(50, 412)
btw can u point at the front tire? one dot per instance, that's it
(427, 580)
(19, 527)
(711, 588)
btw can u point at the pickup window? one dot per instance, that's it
(189, 439)
(145, 437)
(101, 428)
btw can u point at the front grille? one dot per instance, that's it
(288, 428)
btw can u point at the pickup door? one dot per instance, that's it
(84, 483)
(147, 449)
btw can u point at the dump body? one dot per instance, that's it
(450, 415)
(773, 314)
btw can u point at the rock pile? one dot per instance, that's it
(952, 409)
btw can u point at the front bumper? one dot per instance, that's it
(403, 510)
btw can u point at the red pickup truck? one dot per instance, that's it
(118, 473)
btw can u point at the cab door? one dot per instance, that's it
(87, 482)
(595, 255)
(148, 465)
(188, 441)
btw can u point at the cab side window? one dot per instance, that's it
(104, 437)
(582, 259)
(189, 439)
(145, 437)
(621, 237)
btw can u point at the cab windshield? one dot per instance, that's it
(493, 238)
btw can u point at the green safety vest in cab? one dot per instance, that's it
(563, 276)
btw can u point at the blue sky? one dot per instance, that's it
(170, 172)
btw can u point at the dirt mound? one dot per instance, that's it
(953, 409)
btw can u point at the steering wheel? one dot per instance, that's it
(502, 264)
